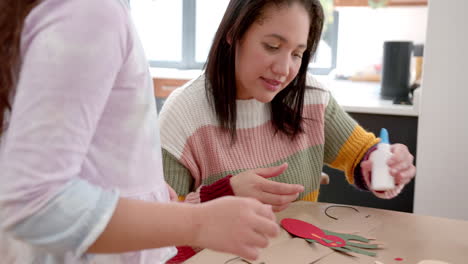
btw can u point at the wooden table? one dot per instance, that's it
(412, 238)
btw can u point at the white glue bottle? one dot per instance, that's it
(381, 178)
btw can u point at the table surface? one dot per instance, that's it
(413, 238)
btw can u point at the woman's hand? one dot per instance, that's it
(401, 168)
(235, 225)
(172, 194)
(255, 184)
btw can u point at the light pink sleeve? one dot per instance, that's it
(69, 64)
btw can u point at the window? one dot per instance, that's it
(161, 42)
(207, 22)
(178, 33)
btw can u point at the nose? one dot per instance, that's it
(281, 65)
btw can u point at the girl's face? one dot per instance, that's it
(269, 54)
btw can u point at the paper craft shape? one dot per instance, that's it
(336, 241)
(309, 231)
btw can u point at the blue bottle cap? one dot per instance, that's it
(384, 136)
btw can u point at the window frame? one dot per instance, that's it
(188, 60)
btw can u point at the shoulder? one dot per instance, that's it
(184, 112)
(86, 11)
(189, 99)
(316, 92)
(79, 17)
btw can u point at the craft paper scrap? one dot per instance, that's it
(336, 241)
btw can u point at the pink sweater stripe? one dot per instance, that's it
(249, 150)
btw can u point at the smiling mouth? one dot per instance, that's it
(271, 82)
(271, 85)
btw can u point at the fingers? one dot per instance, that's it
(271, 171)
(277, 199)
(172, 194)
(245, 221)
(249, 253)
(281, 188)
(390, 193)
(265, 210)
(280, 208)
(400, 154)
(257, 239)
(404, 176)
(401, 164)
(366, 165)
(265, 220)
(268, 228)
(366, 168)
(265, 227)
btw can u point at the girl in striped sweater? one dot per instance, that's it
(255, 124)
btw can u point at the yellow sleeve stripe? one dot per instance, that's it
(353, 150)
(311, 197)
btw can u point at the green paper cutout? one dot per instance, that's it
(342, 249)
(354, 249)
(347, 237)
(359, 245)
(360, 251)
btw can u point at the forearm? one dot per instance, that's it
(84, 218)
(137, 225)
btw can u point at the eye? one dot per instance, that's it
(298, 55)
(270, 47)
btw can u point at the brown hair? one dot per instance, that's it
(12, 19)
(287, 105)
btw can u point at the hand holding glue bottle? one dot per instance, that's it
(388, 168)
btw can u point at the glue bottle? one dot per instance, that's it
(381, 178)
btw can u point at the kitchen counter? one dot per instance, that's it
(364, 97)
(355, 97)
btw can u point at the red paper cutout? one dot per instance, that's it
(398, 259)
(306, 230)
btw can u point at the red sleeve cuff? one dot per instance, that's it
(218, 189)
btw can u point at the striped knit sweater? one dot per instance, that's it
(197, 152)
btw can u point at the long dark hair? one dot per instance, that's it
(12, 19)
(287, 105)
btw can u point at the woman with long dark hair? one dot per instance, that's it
(256, 124)
(81, 167)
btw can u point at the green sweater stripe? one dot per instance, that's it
(301, 170)
(176, 175)
(338, 128)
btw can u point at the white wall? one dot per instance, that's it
(363, 30)
(442, 178)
